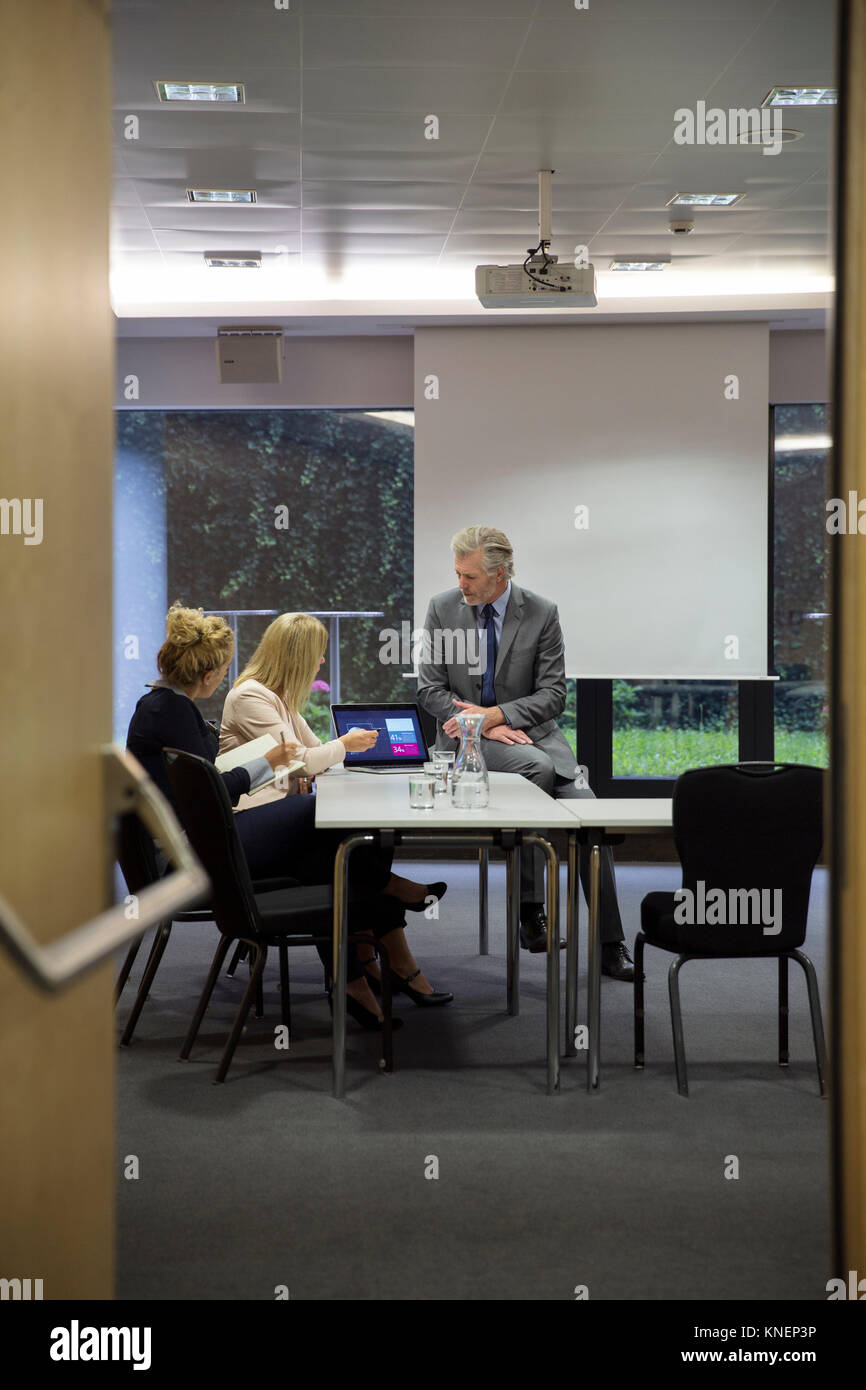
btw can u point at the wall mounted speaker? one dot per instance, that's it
(246, 356)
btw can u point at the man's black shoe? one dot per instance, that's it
(533, 929)
(616, 961)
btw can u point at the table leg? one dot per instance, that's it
(572, 916)
(512, 987)
(552, 966)
(483, 940)
(338, 965)
(594, 973)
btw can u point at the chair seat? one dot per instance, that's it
(261, 886)
(661, 929)
(282, 908)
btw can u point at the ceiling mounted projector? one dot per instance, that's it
(539, 282)
(556, 286)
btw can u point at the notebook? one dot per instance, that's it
(256, 748)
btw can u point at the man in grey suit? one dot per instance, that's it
(519, 683)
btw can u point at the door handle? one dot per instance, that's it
(61, 962)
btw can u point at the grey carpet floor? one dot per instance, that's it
(267, 1184)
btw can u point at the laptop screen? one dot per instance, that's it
(400, 739)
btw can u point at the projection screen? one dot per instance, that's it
(629, 467)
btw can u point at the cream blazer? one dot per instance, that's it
(250, 710)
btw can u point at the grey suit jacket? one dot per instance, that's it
(530, 668)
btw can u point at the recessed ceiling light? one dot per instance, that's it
(221, 195)
(755, 138)
(200, 91)
(634, 263)
(234, 260)
(704, 200)
(801, 96)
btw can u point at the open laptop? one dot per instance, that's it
(400, 747)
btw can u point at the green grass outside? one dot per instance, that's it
(802, 746)
(668, 752)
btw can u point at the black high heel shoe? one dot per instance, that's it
(401, 986)
(434, 890)
(367, 1020)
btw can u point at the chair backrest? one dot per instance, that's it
(753, 831)
(206, 814)
(136, 854)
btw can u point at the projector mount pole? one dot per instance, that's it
(537, 258)
(545, 208)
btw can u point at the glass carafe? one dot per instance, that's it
(470, 782)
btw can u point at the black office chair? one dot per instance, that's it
(282, 917)
(136, 854)
(738, 828)
(137, 857)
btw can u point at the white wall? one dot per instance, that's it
(633, 423)
(180, 373)
(799, 367)
(338, 373)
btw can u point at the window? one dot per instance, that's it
(661, 728)
(801, 570)
(284, 510)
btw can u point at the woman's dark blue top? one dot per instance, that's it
(165, 718)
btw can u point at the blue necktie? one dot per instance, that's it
(488, 694)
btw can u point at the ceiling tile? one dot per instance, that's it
(382, 193)
(388, 164)
(413, 41)
(379, 132)
(419, 89)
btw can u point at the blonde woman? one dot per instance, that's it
(268, 697)
(277, 836)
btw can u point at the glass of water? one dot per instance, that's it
(444, 762)
(421, 785)
(437, 772)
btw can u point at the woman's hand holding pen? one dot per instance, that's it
(283, 753)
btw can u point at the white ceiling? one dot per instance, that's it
(363, 222)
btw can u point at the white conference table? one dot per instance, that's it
(373, 809)
(597, 819)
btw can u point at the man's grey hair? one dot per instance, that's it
(494, 545)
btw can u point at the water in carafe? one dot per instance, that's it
(470, 782)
